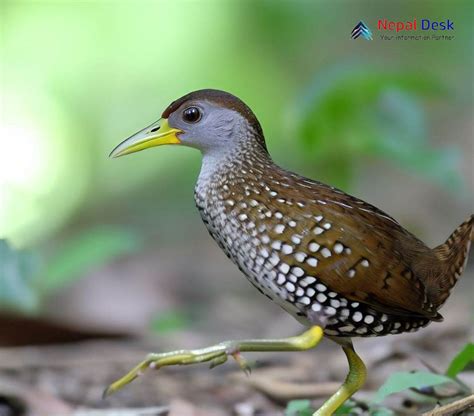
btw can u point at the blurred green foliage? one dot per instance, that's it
(400, 381)
(170, 321)
(463, 360)
(352, 111)
(18, 270)
(299, 408)
(92, 247)
(27, 278)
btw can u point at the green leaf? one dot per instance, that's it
(462, 359)
(382, 411)
(346, 409)
(89, 249)
(18, 273)
(169, 321)
(400, 381)
(353, 112)
(299, 408)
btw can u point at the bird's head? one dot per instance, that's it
(212, 121)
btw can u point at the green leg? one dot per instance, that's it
(354, 381)
(218, 354)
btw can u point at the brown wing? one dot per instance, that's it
(360, 252)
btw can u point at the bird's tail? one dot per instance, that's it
(453, 255)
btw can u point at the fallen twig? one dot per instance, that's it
(453, 408)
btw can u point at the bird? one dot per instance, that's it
(342, 267)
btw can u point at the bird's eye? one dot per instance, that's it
(191, 114)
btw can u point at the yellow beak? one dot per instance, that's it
(157, 134)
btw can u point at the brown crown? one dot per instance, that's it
(223, 99)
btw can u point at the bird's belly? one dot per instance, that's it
(242, 247)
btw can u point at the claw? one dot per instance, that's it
(242, 362)
(126, 379)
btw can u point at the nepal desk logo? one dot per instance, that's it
(361, 30)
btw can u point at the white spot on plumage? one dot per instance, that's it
(320, 287)
(320, 297)
(287, 249)
(297, 271)
(308, 280)
(313, 262)
(357, 317)
(284, 268)
(330, 310)
(368, 319)
(316, 307)
(300, 256)
(310, 291)
(351, 273)
(326, 252)
(296, 238)
(290, 287)
(318, 230)
(313, 247)
(276, 245)
(305, 300)
(346, 328)
(327, 226)
(338, 248)
(365, 263)
(279, 228)
(318, 218)
(274, 259)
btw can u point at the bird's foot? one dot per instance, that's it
(218, 354)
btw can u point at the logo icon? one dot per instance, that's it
(361, 30)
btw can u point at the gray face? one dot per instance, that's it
(208, 127)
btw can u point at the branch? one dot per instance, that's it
(453, 408)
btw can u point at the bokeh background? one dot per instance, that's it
(111, 247)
